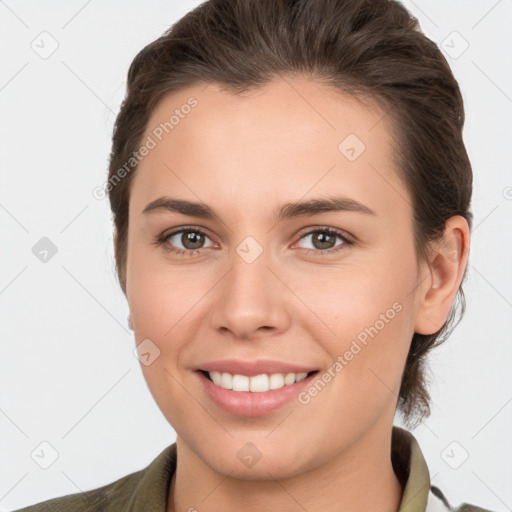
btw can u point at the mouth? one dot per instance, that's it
(253, 395)
(261, 383)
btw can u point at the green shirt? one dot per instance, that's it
(146, 490)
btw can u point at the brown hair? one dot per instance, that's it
(366, 48)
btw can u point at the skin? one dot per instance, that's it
(243, 156)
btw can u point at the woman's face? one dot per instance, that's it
(258, 281)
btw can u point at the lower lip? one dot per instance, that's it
(247, 403)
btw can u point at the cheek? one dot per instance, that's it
(159, 295)
(166, 304)
(161, 305)
(372, 313)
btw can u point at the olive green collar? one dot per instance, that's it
(411, 468)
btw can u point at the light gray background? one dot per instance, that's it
(68, 374)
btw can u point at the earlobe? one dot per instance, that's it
(446, 266)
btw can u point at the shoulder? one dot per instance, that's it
(437, 502)
(146, 488)
(102, 499)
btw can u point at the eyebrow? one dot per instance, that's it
(284, 211)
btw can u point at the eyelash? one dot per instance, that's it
(347, 241)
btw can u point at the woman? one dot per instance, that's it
(291, 241)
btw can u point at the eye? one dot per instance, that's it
(324, 240)
(192, 240)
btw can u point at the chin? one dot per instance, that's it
(254, 461)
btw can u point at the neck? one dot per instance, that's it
(360, 480)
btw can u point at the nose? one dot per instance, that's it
(250, 300)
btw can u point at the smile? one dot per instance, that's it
(256, 383)
(253, 395)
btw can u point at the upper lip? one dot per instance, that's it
(251, 368)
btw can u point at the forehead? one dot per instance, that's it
(288, 136)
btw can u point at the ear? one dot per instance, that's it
(448, 258)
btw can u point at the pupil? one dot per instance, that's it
(323, 239)
(192, 237)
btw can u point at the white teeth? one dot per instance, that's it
(240, 383)
(216, 377)
(276, 381)
(257, 383)
(289, 379)
(226, 381)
